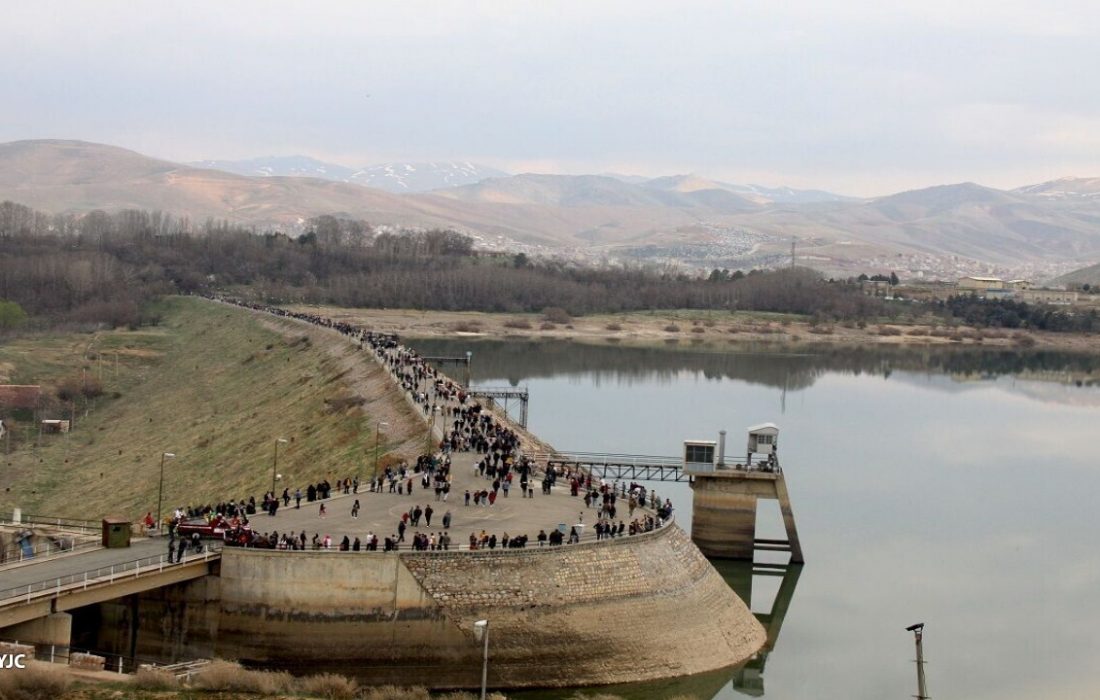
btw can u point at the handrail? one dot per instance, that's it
(70, 523)
(465, 547)
(42, 552)
(607, 458)
(133, 568)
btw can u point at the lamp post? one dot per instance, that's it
(160, 489)
(481, 633)
(469, 374)
(377, 437)
(918, 634)
(275, 463)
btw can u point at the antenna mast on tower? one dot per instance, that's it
(793, 239)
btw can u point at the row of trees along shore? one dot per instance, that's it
(101, 268)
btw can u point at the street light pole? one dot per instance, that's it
(160, 489)
(481, 630)
(918, 634)
(275, 463)
(377, 437)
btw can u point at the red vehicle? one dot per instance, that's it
(215, 528)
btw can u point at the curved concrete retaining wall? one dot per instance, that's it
(638, 608)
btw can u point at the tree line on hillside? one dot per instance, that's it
(103, 268)
(100, 268)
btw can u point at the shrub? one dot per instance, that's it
(151, 678)
(231, 677)
(329, 686)
(709, 323)
(555, 314)
(916, 331)
(1023, 340)
(614, 327)
(821, 330)
(466, 327)
(517, 323)
(38, 681)
(547, 326)
(672, 328)
(888, 330)
(698, 329)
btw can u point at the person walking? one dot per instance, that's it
(321, 512)
(355, 509)
(297, 499)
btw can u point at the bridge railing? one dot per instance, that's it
(83, 526)
(133, 568)
(607, 458)
(15, 554)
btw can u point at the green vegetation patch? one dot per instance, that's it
(212, 385)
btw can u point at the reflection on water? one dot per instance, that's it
(790, 370)
(749, 679)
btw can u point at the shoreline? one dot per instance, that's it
(698, 329)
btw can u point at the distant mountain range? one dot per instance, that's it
(939, 230)
(392, 177)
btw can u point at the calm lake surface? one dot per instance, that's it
(955, 488)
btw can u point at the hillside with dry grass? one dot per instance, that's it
(214, 384)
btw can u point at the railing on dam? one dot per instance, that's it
(531, 546)
(81, 580)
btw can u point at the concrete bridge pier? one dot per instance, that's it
(53, 630)
(723, 524)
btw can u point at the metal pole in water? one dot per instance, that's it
(918, 635)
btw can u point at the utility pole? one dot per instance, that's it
(918, 634)
(792, 251)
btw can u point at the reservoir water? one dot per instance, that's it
(952, 487)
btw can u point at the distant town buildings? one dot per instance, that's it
(1021, 290)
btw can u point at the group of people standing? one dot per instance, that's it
(466, 427)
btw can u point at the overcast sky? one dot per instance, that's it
(861, 98)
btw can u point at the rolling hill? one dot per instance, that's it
(76, 176)
(685, 217)
(399, 178)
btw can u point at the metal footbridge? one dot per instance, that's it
(636, 467)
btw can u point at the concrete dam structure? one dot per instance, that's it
(632, 608)
(638, 608)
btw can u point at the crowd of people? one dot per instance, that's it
(467, 427)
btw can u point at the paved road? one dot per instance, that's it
(79, 563)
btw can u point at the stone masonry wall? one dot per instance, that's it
(636, 608)
(644, 607)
